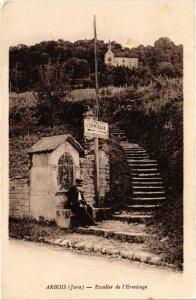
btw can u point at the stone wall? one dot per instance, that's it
(87, 165)
(19, 197)
(88, 176)
(104, 174)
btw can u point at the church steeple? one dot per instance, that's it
(109, 46)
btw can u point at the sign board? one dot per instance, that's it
(93, 128)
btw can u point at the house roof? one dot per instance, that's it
(50, 143)
(125, 54)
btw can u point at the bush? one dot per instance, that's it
(120, 177)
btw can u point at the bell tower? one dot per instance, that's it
(109, 56)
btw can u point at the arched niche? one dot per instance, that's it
(65, 171)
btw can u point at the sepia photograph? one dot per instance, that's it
(98, 161)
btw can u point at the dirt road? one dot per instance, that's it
(45, 272)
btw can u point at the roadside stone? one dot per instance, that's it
(127, 254)
(137, 257)
(88, 247)
(71, 243)
(64, 243)
(79, 246)
(104, 250)
(97, 248)
(145, 258)
(46, 240)
(156, 260)
(50, 241)
(114, 251)
(57, 242)
(43, 239)
(111, 251)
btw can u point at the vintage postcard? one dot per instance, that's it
(98, 150)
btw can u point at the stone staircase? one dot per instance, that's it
(148, 193)
(147, 196)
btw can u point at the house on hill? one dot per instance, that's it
(120, 59)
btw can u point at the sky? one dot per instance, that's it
(130, 23)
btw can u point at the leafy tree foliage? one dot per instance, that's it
(76, 60)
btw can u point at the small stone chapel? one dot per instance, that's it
(55, 164)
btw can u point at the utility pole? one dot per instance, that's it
(96, 140)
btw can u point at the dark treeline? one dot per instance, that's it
(75, 63)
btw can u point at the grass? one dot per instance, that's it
(29, 98)
(22, 99)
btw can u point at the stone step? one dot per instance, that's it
(146, 156)
(149, 187)
(145, 175)
(142, 161)
(133, 218)
(142, 199)
(118, 133)
(134, 169)
(132, 146)
(121, 138)
(148, 190)
(144, 207)
(140, 183)
(139, 165)
(131, 237)
(148, 193)
(135, 152)
(149, 178)
(131, 156)
(134, 149)
(114, 129)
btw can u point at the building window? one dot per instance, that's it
(65, 176)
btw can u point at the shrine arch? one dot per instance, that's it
(65, 172)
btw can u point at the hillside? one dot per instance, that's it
(75, 64)
(152, 117)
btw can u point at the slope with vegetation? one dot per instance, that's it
(150, 110)
(74, 63)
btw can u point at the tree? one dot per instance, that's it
(77, 68)
(165, 69)
(23, 115)
(120, 76)
(78, 57)
(52, 88)
(53, 79)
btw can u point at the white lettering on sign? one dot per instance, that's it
(93, 128)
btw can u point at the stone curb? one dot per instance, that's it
(107, 250)
(108, 233)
